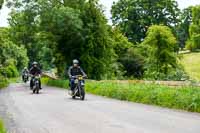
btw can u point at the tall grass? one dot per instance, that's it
(57, 83)
(2, 129)
(184, 98)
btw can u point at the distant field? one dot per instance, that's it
(191, 63)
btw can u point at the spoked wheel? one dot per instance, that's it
(37, 88)
(82, 94)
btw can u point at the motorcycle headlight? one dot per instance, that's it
(76, 81)
(80, 78)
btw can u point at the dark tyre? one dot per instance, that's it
(74, 97)
(82, 94)
(34, 91)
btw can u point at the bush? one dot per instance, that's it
(3, 82)
(161, 59)
(10, 71)
(177, 74)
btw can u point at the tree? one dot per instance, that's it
(183, 27)
(65, 30)
(24, 31)
(128, 56)
(98, 54)
(133, 17)
(10, 53)
(161, 58)
(1, 3)
(194, 30)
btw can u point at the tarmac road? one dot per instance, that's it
(53, 111)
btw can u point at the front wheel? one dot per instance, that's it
(37, 88)
(82, 93)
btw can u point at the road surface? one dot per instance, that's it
(53, 111)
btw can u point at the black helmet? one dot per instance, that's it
(75, 61)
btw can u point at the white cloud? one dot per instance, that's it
(107, 7)
(185, 3)
(3, 16)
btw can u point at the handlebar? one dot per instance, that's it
(37, 75)
(78, 76)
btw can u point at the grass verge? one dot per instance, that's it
(2, 129)
(184, 98)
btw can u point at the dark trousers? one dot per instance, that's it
(31, 83)
(72, 83)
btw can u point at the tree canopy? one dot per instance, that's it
(55, 32)
(160, 45)
(135, 16)
(194, 30)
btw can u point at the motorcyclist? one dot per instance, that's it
(35, 71)
(24, 71)
(73, 71)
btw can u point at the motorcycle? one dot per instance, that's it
(79, 90)
(25, 77)
(36, 84)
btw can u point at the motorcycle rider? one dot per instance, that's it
(35, 71)
(73, 71)
(24, 71)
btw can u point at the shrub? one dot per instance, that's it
(10, 71)
(3, 82)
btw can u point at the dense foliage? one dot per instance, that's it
(182, 30)
(12, 57)
(56, 32)
(160, 46)
(135, 16)
(1, 3)
(194, 30)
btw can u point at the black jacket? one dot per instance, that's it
(35, 71)
(74, 71)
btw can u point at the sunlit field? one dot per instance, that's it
(191, 63)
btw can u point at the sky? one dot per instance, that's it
(107, 7)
